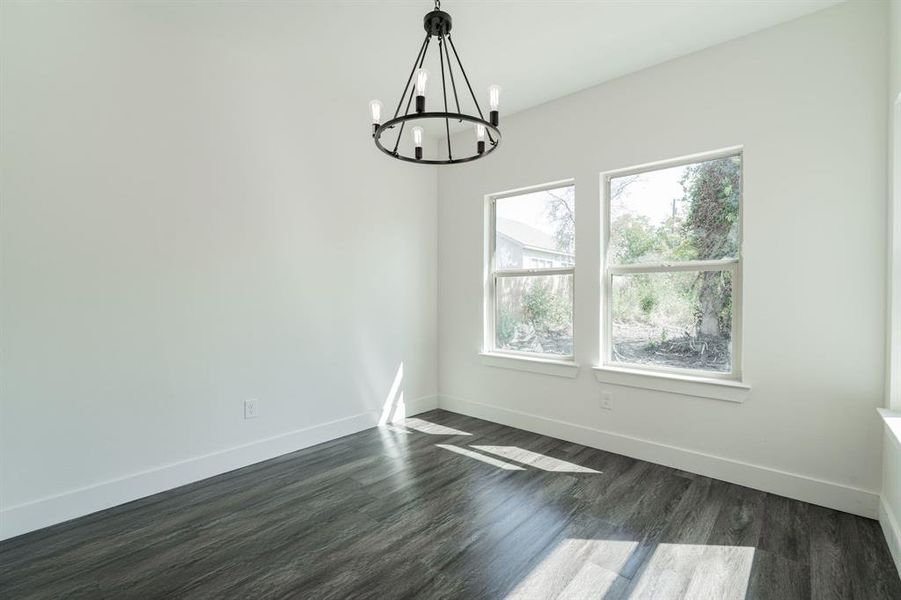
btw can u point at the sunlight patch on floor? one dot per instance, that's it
(431, 428)
(568, 571)
(485, 459)
(396, 429)
(695, 571)
(590, 568)
(534, 459)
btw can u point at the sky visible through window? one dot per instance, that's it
(529, 209)
(648, 194)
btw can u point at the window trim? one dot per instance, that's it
(608, 271)
(489, 308)
(531, 363)
(674, 383)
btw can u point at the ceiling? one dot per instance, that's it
(541, 50)
(351, 51)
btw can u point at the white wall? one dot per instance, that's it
(893, 339)
(807, 101)
(895, 47)
(890, 509)
(186, 225)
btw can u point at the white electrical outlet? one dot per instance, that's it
(251, 408)
(607, 400)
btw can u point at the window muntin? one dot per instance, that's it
(532, 271)
(673, 268)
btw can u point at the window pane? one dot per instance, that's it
(536, 230)
(535, 314)
(681, 319)
(689, 212)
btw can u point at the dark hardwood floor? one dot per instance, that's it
(446, 506)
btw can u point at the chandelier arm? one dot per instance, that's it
(420, 59)
(450, 72)
(466, 79)
(444, 91)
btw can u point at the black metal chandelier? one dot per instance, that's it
(437, 24)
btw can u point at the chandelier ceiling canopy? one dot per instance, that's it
(388, 135)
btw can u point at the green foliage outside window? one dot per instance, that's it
(545, 310)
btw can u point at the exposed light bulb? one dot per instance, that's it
(494, 96)
(417, 141)
(494, 100)
(480, 138)
(422, 81)
(375, 110)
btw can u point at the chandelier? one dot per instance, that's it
(389, 135)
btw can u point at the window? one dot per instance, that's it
(531, 267)
(673, 266)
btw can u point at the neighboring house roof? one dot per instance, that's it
(526, 235)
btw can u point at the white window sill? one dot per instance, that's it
(674, 383)
(544, 366)
(892, 421)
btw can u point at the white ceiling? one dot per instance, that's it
(541, 50)
(351, 51)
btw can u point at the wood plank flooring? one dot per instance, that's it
(447, 506)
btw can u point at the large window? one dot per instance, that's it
(531, 262)
(673, 266)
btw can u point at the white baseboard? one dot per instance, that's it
(16, 520)
(891, 530)
(800, 487)
(22, 518)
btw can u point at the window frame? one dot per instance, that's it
(609, 270)
(489, 341)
